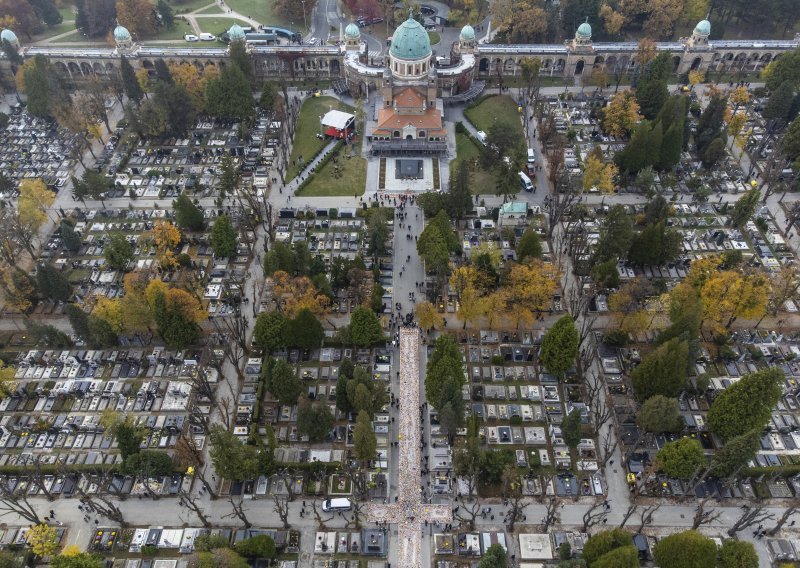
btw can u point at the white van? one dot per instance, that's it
(531, 157)
(340, 504)
(525, 182)
(207, 37)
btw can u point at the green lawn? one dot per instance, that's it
(186, 6)
(306, 144)
(213, 9)
(434, 37)
(351, 181)
(180, 29)
(494, 109)
(62, 28)
(218, 25)
(261, 10)
(481, 181)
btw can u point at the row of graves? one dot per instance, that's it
(53, 416)
(165, 168)
(219, 279)
(779, 443)
(318, 371)
(520, 409)
(32, 147)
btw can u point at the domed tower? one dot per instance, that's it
(122, 37)
(352, 37)
(466, 39)
(410, 53)
(701, 32)
(236, 33)
(583, 37)
(10, 37)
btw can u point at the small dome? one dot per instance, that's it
(584, 30)
(410, 41)
(703, 28)
(9, 36)
(352, 31)
(467, 32)
(121, 34)
(236, 33)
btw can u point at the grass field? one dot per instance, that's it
(218, 25)
(184, 7)
(306, 143)
(495, 109)
(62, 28)
(351, 182)
(481, 180)
(180, 29)
(434, 37)
(261, 10)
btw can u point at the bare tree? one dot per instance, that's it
(551, 515)
(14, 502)
(564, 195)
(101, 502)
(750, 517)
(609, 444)
(599, 409)
(628, 514)
(239, 512)
(646, 516)
(594, 515)
(186, 500)
(703, 517)
(467, 511)
(234, 330)
(321, 523)
(282, 509)
(782, 520)
(512, 491)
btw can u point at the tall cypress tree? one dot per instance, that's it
(671, 146)
(162, 71)
(653, 149)
(129, 82)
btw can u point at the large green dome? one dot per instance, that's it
(121, 34)
(703, 27)
(410, 41)
(352, 31)
(585, 30)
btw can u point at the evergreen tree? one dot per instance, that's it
(662, 371)
(239, 56)
(616, 235)
(459, 198)
(653, 144)
(779, 104)
(315, 420)
(364, 441)
(52, 284)
(365, 328)
(747, 404)
(228, 96)
(118, 252)
(175, 105)
(710, 123)
(162, 71)
(268, 332)
(129, 81)
(187, 214)
(655, 245)
(671, 147)
(651, 91)
(560, 347)
(223, 237)
(304, 331)
(282, 381)
(571, 428)
(71, 239)
(165, 14)
(529, 246)
(745, 208)
(47, 12)
(175, 328)
(37, 87)
(634, 157)
(79, 320)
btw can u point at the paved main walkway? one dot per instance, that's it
(408, 513)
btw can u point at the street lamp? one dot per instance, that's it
(305, 22)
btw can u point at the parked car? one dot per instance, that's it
(207, 37)
(191, 37)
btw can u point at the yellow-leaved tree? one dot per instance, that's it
(728, 295)
(110, 310)
(34, 201)
(493, 308)
(293, 294)
(528, 289)
(621, 114)
(598, 174)
(7, 381)
(166, 237)
(428, 317)
(136, 311)
(43, 539)
(469, 305)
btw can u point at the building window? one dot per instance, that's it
(396, 134)
(421, 134)
(416, 69)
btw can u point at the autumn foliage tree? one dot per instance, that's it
(298, 293)
(621, 114)
(166, 237)
(529, 288)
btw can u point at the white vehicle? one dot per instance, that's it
(481, 136)
(340, 504)
(531, 157)
(191, 37)
(207, 37)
